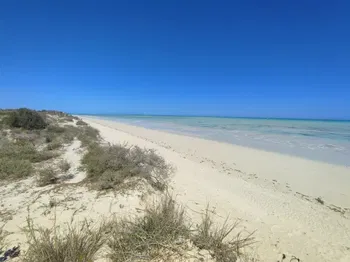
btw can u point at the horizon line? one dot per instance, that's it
(215, 116)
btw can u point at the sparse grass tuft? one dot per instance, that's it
(147, 237)
(217, 239)
(110, 166)
(46, 177)
(74, 244)
(64, 165)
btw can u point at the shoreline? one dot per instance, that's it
(294, 144)
(271, 193)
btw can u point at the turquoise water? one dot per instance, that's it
(323, 140)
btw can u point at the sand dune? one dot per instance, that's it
(274, 194)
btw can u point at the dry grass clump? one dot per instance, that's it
(219, 241)
(147, 237)
(72, 244)
(47, 176)
(108, 167)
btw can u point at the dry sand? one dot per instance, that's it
(271, 193)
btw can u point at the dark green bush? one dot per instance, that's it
(26, 118)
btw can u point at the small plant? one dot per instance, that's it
(64, 165)
(162, 225)
(74, 244)
(54, 145)
(320, 200)
(81, 123)
(26, 118)
(48, 138)
(46, 177)
(217, 239)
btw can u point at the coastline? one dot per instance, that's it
(270, 192)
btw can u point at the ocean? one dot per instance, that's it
(321, 140)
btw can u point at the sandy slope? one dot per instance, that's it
(272, 193)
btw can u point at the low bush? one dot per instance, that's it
(110, 166)
(12, 168)
(72, 244)
(147, 237)
(46, 177)
(26, 118)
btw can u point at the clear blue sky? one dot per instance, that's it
(237, 58)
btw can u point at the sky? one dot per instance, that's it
(227, 58)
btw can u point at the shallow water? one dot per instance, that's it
(323, 140)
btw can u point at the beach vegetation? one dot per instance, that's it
(47, 176)
(26, 118)
(81, 123)
(147, 237)
(64, 165)
(219, 239)
(320, 200)
(115, 166)
(76, 243)
(13, 169)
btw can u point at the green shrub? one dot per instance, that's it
(26, 118)
(12, 168)
(46, 177)
(71, 244)
(149, 236)
(110, 166)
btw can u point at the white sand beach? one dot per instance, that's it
(273, 194)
